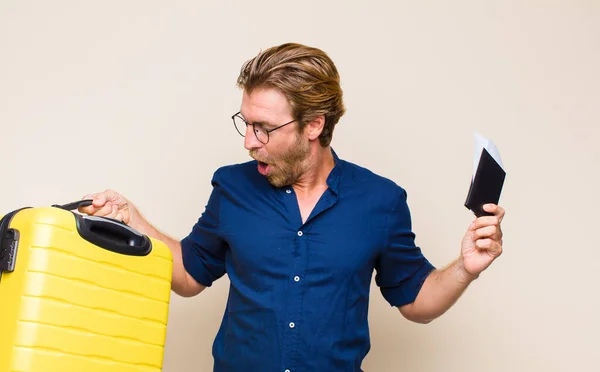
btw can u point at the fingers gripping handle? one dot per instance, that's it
(81, 203)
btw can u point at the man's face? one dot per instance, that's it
(283, 159)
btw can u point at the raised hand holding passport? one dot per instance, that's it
(482, 242)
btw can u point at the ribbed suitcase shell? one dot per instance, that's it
(70, 305)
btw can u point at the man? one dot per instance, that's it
(300, 231)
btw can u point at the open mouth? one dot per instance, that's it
(263, 168)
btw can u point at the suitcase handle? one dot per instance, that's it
(75, 205)
(112, 235)
(108, 233)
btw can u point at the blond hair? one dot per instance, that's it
(306, 76)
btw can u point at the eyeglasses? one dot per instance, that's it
(261, 133)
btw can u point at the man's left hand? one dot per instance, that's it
(482, 243)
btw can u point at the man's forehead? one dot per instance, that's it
(265, 106)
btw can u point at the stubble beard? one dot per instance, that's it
(286, 170)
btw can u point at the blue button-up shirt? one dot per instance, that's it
(299, 292)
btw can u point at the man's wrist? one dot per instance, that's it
(462, 275)
(139, 224)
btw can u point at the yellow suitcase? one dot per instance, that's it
(80, 293)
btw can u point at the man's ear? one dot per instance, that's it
(314, 128)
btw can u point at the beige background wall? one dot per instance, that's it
(137, 95)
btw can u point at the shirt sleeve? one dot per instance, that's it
(203, 250)
(401, 268)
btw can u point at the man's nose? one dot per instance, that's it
(250, 140)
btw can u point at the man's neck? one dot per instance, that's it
(321, 162)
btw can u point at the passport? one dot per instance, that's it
(488, 177)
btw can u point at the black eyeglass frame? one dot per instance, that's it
(267, 131)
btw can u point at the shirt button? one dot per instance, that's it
(289, 192)
(287, 370)
(292, 325)
(296, 278)
(299, 233)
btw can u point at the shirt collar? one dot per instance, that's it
(333, 180)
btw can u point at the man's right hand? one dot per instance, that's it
(111, 204)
